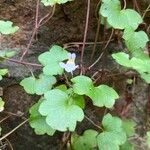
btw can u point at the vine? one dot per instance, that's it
(62, 106)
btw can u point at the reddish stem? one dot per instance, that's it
(23, 63)
(85, 33)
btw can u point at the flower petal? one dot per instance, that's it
(73, 56)
(62, 65)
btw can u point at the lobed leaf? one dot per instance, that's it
(38, 86)
(129, 127)
(140, 65)
(61, 114)
(2, 103)
(50, 60)
(117, 18)
(3, 72)
(6, 27)
(113, 135)
(99, 95)
(53, 2)
(135, 41)
(85, 142)
(127, 146)
(38, 122)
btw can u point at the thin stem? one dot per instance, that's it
(10, 145)
(9, 133)
(47, 17)
(37, 25)
(33, 33)
(37, 14)
(93, 123)
(137, 6)
(125, 4)
(5, 118)
(76, 44)
(97, 60)
(67, 81)
(85, 32)
(96, 38)
(22, 62)
(145, 12)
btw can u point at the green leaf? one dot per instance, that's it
(29, 85)
(10, 54)
(129, 127)
(2, 103)
(37, 122)
(53, 2)
(6, 27)
(38, 86)
(7, 53)
(140, 65)
(50, 60)
(132, 18)
(85, 142)
(104, 22)
(148, 138)
(44, 84)
(127, 146)
(109, 7)
(113, 135)
(122, 59)
(0, 131)
(61, 114)
(146, 76)
(3, 72)
(87, 87)
(99, 95)
(117, 18)
(77, 99)
(135, 40)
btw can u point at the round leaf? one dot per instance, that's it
(38, 122)
(60, 113)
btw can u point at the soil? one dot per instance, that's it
(67, 25)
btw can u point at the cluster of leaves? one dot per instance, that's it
(61, 107)
(6, 28)
(68, 102)
(128, 20)
(113, 137)
(53, 2)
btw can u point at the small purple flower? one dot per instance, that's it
(70, 65)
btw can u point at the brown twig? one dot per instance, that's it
(145, 12)
(5, 118)
(98, 59)
(76, 44)
(137, 6)
(10, 145)
(22, 62)
(9, 133)
(96, 38)
(37, 25)
(85, 33)
(47, 17)
(99, 127)
(34, 31)
(125, 4)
